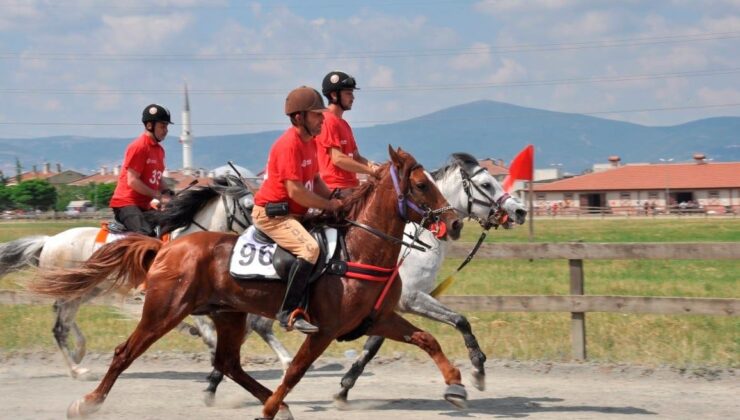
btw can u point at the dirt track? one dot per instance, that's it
(35, 386)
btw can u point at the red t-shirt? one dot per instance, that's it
(145, 156)
(290, 159)
(336, 133)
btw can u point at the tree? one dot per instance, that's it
(100, 194)
(35, 194)
(67, 193)
(18, 170)
(6, 198)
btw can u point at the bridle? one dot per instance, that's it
(497, 215)
(237, 205)
(404, 203)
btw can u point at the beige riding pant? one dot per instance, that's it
(287, 232)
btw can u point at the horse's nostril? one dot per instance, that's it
(457, 225)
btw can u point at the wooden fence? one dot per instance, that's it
(577, 303)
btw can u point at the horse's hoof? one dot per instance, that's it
(81, 408)
(479, 380)
(209, 398)
(456, 395)
(340, 399)
(82, 374)
(284, 414)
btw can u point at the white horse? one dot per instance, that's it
(224, 206)
(476, 194)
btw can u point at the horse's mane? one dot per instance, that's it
(353, 205)
(185, 205)
(466, 161)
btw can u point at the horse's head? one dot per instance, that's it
(419, 199)
(477, 194)
(223, 206)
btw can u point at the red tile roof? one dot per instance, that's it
(97, 178)
(652, 177)
(493, 168)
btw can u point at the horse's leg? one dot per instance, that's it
(231, 328)
(207, 332)
(263, 327)
(310, 350)
(66, 312)
(372, 345)
(398, 329)
(156, 321)
(423, 304)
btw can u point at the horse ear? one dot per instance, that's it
(395, 158)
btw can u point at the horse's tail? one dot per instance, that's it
(20, 253)
(125, 262)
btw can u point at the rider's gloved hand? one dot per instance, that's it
(335, 208)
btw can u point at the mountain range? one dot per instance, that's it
(486, 129)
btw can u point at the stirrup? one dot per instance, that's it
(299, 320)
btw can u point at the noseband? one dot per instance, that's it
(404, 201)
(496, 214)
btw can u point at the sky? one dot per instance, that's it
(89, 67)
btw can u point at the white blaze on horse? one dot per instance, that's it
(224, 206)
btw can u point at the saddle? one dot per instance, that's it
(257, 257)
(111, 231)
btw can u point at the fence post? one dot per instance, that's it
(577, 319)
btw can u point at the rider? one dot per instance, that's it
(339, 158)
(292, 185)
(141, 174)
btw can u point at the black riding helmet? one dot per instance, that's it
(155, 113)
(336, 81)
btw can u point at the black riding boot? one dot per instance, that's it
(290, 315)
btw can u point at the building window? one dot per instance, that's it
(568, 196)
(713, 194)
(540, 196)
(624, 196)
(653, 195)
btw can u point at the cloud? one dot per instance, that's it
(676, 59)
(479, 58)
(726, 95)
(521, 6)
(140, 34)
(16, 14)
(382, 76)
(510, 71)
(590, 24)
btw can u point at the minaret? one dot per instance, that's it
(186, 138)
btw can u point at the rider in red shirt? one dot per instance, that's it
(339, 158)
(141, 173)
(291, 186)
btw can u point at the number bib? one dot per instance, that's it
(252, 258)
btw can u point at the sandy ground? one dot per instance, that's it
(168, 386)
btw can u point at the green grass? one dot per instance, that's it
(646, 339)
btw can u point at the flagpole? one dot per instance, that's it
(531, 210)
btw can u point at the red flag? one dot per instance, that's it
(522, 167)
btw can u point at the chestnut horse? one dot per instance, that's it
(191, 275)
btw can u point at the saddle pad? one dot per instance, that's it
(105, 236)
(252, 258)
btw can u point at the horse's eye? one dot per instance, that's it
(422, 186)
(486, 185)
